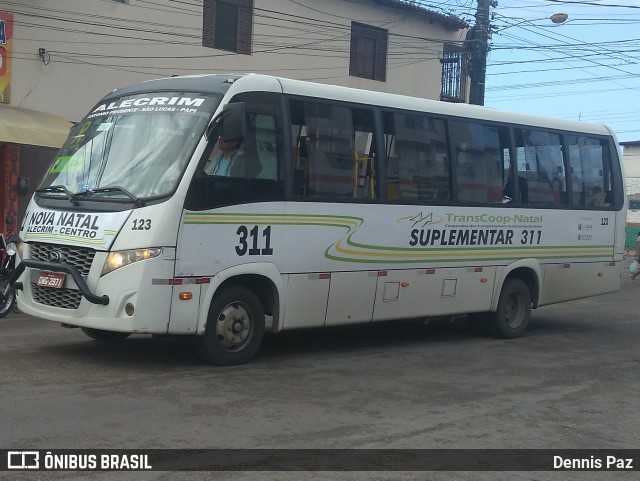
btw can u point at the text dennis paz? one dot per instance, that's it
(593, 462)
(551, 460)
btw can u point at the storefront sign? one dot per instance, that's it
(6, 39)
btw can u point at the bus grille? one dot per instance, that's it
(79, 257)
(62, 297)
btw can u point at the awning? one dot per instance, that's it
(30, 127)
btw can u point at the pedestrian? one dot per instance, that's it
(637, 259)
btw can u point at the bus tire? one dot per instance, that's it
(514, 310)
(105, 336)
(235, 328)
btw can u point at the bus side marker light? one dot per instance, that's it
(185, 296)
(600, 274)
(484, 279)
(404, 284)
(129, 309)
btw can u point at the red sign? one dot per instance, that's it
(6, 41)
(4, 60)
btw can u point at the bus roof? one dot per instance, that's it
(237, 83)
(382, 99)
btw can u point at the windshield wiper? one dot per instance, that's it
(59, 188)
(115, 188)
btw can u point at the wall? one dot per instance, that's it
(631, 161)
(94, 46)
(34, 162)
(20, 162)
(9, 172)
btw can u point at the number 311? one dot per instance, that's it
(246, 236)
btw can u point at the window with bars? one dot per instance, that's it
(368, 52)
(454, 79)
(227, 25)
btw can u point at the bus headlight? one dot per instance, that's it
(116, 260)
(11, 248)
(18, 245)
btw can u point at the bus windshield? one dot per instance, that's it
(132, 147)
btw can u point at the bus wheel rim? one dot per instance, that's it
(234, 327)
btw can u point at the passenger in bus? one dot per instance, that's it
(224, 162)
(231, 161)
(523, 189)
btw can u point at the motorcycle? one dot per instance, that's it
(7, 293)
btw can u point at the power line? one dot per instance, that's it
(343, 29)
(594, 4)
(324, 36)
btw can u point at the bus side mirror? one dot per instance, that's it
(232, 120)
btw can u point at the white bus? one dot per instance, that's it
(346, 206)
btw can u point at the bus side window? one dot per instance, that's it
(540, 161)
(591, 171)
(364, 155)
(255, 174)
(300, 164)
(263, 145)
(333, 151)
(479, 160)
(418, 165)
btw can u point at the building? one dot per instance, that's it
(60, 57)
(28, 142)
(631, 164)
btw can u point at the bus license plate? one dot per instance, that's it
(51, 279)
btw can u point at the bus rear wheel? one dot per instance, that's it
(235, 328)
(514, 310)
(105, 336)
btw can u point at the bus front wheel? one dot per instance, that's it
(235, 328)
(514, 310)
(105, 336)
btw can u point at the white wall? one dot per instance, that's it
(631, 161)
(95, 46)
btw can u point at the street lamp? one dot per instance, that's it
(556, 18)
(559, 17)
(477, 44)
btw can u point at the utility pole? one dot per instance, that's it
(477, 45)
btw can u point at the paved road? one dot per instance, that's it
(573, 381)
